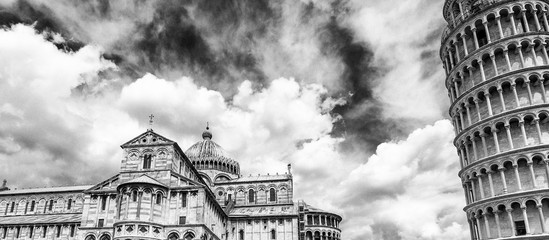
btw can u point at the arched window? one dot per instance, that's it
(105, 237)
(173, 236)
(188, 236)
(69, 204)
(241, 234)
(134, 195)
(272, 195)
(50, 207)
(158, 198)
(147, 159)
(251, 195)
(33, 203)
(273, 234)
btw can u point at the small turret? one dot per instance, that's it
(4, 185)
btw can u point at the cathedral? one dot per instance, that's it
(162, 192)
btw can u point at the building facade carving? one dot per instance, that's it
(494, 53)
(162, 192)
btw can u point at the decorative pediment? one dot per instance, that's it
(148, 138)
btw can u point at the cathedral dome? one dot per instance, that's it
(206, 148)
(208, 155)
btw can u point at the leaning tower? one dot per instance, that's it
(496, 61)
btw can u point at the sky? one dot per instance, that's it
(350, 92)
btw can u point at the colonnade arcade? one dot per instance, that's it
(500, 96)
(506, 176)
(501, 22)
(510, 217)
(505, 134)
(321, 235)
(500, 61)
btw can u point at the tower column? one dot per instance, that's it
(498, 19)
(495, 136)
(501, 99)
(496, 216)
(474, 147)
(541, 218)
(503, 180)
(492, 193)
(517, 176)
(488, 104)
(511, 221)
(532, 174)
(525, 216)
(480, 186)
(509, 137)
(464, 43)
(506, 53)
(523, 131)
(515, 94)
(483, 138)
(486, 225)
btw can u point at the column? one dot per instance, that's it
(139, 197)
(513, 24)
(128, 199)
(538, 25)
(545, 21)
(501, 99)
(538, 129)
(546, 170)
(503, 180)
(523, 13)
(493, 57)
(525, 216)
(519, 49)
(491, 183)
(511, 221)
(480, 186)
(473, 188)
(544, 50)
(476, 100)
(534, 55)
(464, 43)
(457, 52)
(485, 23)
(451, 58)
(483, 137)
(486, 225)
(475, 38)
(456, 86)
(470, 70)
(488, 103)
(471, 230)
(506, 53)
(151, 211)
(495, 136)
(509, 137)
(530, 98)
(480, 63)
(467, 105)
(514, 88)
(541, 218)
(496, 215)
(498, 20)
(475, 147)
(461, 116)
(466, 194)
(517, 176)
(542, 86)
(532, 174)
(523, 131)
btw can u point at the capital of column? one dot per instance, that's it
(499, 88)
(486, 94)
(509, 210)
(539, 205)
(494, 130)
(483, 134)
(476, 100)
(501, 169)
(492, 55)
(536, 120)
(507, 125)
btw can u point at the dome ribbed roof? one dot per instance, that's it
(206, 148)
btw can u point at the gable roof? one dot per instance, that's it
(148, 138)
(145, 179)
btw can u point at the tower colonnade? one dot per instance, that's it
(496, 60)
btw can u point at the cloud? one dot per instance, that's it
(394, 192)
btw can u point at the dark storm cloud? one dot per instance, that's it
(361, 116)
(216, 42)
